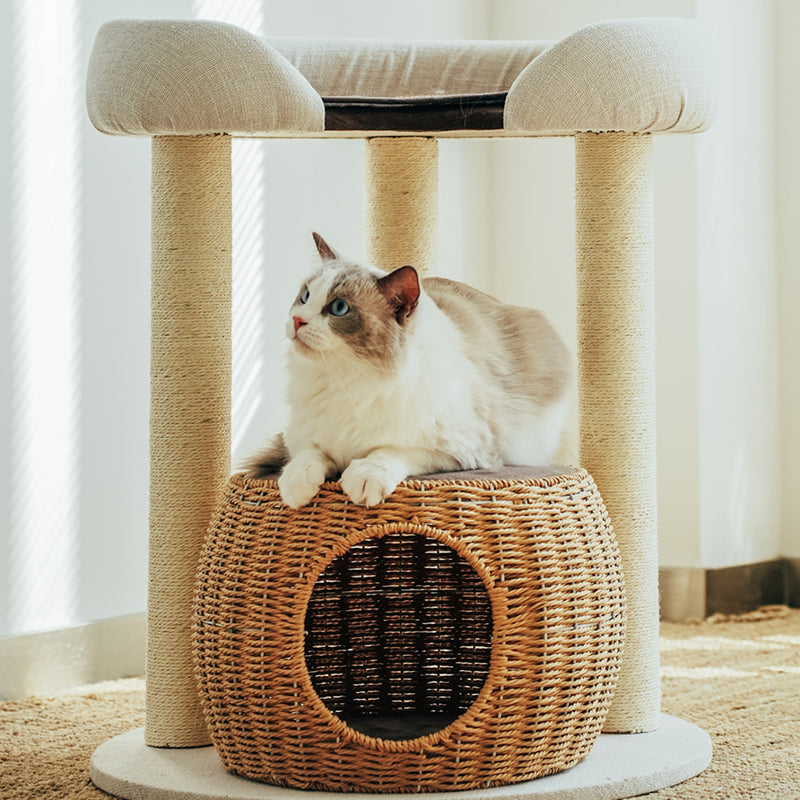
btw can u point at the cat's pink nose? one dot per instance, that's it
(298, 323)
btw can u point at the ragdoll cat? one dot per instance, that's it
(390, 376)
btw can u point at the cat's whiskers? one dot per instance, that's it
(275, 335)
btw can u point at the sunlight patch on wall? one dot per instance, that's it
(48, 87)
(248, 277)
(248, 243)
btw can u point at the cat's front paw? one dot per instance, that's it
(366, 483)
(300, 481)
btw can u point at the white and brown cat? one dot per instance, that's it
(391, 376)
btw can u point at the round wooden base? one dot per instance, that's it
(619, 765)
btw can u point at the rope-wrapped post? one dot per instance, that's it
(616, 367)
(189, 412)
(402, 201)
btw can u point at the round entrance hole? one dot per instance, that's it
(398, 636)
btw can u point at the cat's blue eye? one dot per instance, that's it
(339, 307)
(304, 295)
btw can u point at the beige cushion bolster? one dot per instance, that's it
(190, 77)
(634, 75)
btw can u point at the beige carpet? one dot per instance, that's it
(737, 678)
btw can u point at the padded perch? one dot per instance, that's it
(466, 633)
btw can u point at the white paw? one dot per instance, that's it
(300, 481)
(367, 484)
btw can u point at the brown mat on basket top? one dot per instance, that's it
(503, 474)
(738, 678)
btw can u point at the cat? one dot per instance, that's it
(392, 376)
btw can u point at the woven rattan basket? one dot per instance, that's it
(466, 633)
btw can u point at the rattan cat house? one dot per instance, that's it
(474, 643)
(193, 85)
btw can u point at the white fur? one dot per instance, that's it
(432, 412)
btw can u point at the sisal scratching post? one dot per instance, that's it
(616, 354)
(190, 411)
(402, 184)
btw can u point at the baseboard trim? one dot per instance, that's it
(43, 663)
(698, 593)
(792, 577)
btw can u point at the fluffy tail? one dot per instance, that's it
(269, 461)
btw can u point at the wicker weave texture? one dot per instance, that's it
(464, 634)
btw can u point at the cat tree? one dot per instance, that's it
(193, 85)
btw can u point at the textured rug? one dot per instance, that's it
(736, 677)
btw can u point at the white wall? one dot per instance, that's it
(74, 330)
(5, 316)
(738, 347)
(75, 360)
(787, 177)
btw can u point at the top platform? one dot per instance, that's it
(197, 77)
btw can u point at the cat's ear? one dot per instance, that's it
(326, 252)
(401, 289)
